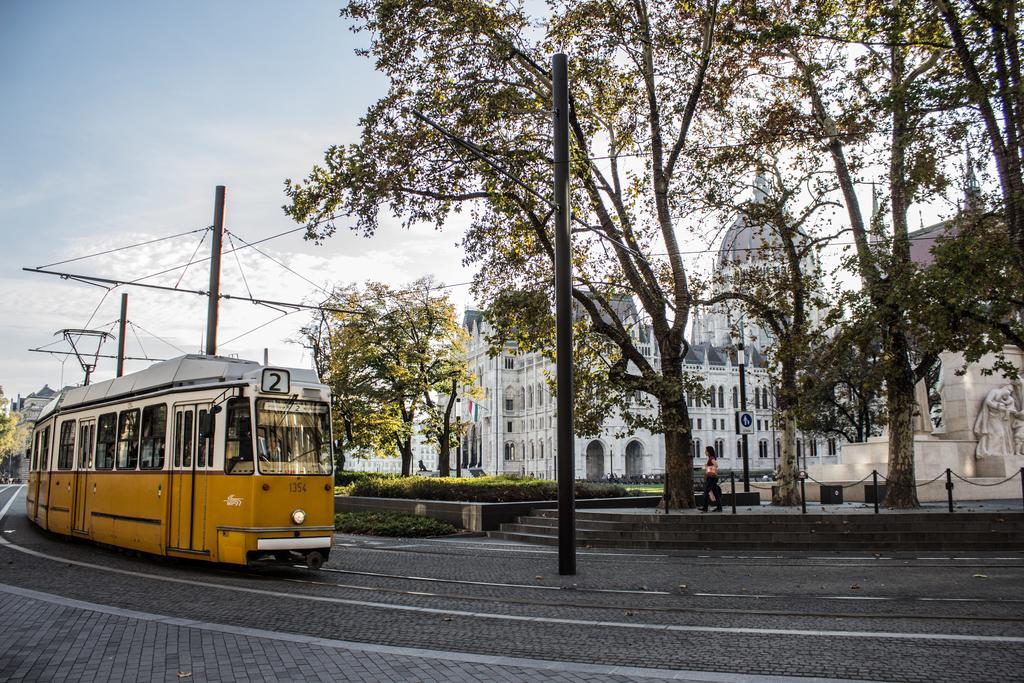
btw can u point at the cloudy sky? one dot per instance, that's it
(119, 120)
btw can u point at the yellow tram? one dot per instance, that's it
(198, 457)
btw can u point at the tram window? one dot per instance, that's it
(128, 440)
(292, 437)
(177, 439)
(66, 446)
(205, 455)
(186, 446)
(106, 440)
(85, 433)
(154, 436)
(35, 452)
(44, 452)
(238, 446)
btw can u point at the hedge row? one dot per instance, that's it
(391, 524)
(499, 489)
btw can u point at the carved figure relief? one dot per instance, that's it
(1000, 424)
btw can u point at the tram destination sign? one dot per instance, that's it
(275, 381)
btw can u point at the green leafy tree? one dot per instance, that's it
(387, 357)
(985, 36)
(642, 74)
(14, 436)
(777, 281)
(860, 65)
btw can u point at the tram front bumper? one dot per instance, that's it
(240, 545)
(306, 543)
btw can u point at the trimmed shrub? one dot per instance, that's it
(499, 489)
(391, 524)
(346, 478)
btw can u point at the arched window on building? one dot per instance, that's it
(510, 400)
(719, 448)
(762, 449)
(529, 397)
(735, 398)
(540, 395)
(541, 450)
(522, 399)
(757, 397)
(778, 448)
(510, 451)
(739, 449)
(831, 446)
(813, 446)
(697, 452)
(721, 397)
(689, 400)
(799, 450)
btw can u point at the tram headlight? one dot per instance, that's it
(298, 516)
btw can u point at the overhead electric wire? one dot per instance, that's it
(258, 327)
(137, 339)
(200, 292)
(268, 256)
(315, 223)
(158, 337)
(238, 261)
(130, 246)
(198, 246)
(96, 310)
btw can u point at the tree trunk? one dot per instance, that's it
(405, 449)
(901, 489)
(679, 469)
(678, 439)
(444, 467)
(787, 489)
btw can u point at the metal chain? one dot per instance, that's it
(974, 483)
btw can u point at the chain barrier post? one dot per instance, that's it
(732, 485)
(949, 488)
(803, 492)
(874, 479)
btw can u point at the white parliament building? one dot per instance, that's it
(512, 428)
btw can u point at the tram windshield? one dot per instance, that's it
(292, 437)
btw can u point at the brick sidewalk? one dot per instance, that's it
(44, 637)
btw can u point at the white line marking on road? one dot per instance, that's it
(680, 628)
(490, 583)
(589, 671)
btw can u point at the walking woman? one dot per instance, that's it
(711, 480)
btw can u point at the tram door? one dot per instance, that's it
(79, 503)
(193, 455)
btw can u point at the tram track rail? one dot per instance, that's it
(278, 582)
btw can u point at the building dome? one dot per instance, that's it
(743, 240)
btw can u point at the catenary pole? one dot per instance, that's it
(563, 318)
(212, 309)
(122, 327)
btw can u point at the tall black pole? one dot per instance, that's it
(563, 318)
(121, 329)
(743, 406)
(212, 310)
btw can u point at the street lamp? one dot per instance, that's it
(458, 435)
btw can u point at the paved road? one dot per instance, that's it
(470, 609)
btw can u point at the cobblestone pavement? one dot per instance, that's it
(472, 609)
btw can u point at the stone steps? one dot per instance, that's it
(907, 531)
